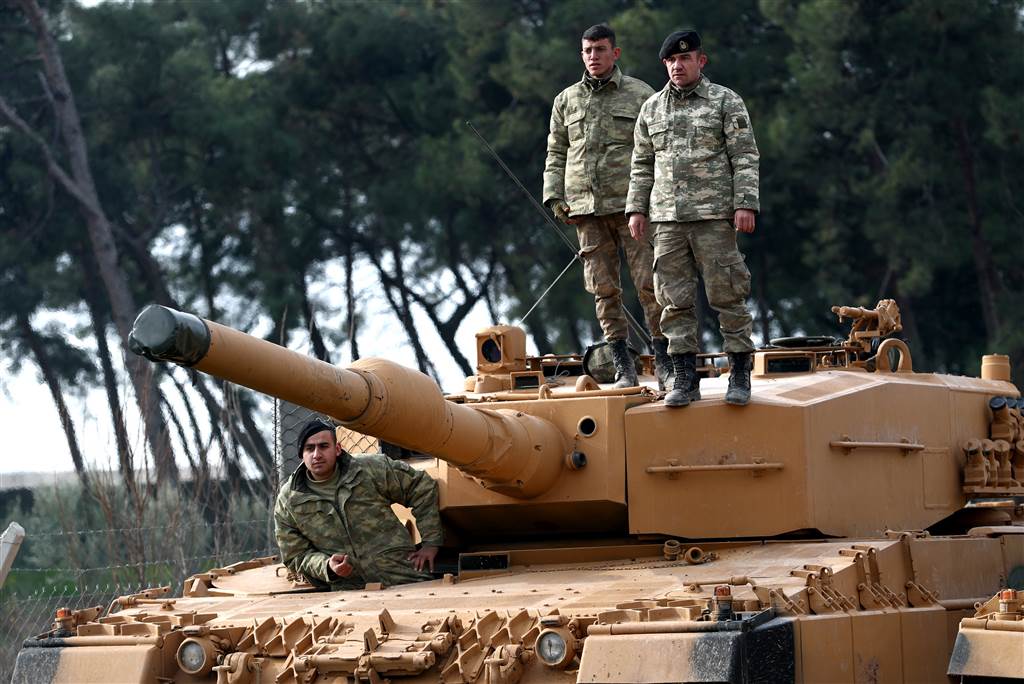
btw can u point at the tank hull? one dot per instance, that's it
(812, 611)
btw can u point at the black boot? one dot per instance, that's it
(739, 378)
(625, 369)
(686, 384)
(662, 362)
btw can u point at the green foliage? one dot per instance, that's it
(251, 144)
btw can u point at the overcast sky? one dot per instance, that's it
(34, 442)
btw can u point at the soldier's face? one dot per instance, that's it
(684, 67)
(599, 56)
(320, 453)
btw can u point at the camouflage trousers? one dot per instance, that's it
(600, 239)
(682, 251)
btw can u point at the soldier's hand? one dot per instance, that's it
(561, 211)
(339, 565)
(424, 557)
(637, 225)
(744, 220)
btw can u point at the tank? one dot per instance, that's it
(857, 522)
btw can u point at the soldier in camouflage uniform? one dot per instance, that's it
(585, 181)
(694, 174)
(333, 518)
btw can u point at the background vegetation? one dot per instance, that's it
(228, 157)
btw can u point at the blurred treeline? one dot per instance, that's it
(233, 155)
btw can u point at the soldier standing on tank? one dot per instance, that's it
(333, 519)
(694, 175)
(586, 177)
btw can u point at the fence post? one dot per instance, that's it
(10, 542)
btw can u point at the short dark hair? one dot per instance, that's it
(600, 32)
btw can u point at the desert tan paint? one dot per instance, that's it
(903, 462)
(890, 644)
(519, 455)
(843, 450)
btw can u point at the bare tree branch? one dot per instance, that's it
(52, 166)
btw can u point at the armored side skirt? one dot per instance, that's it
(734, 651)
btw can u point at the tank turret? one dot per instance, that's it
(537, 455)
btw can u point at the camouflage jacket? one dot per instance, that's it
(359, 522)
(590, 143)
(694, 157)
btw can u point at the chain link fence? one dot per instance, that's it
(75, 556)
(26, 613)
(24, 616)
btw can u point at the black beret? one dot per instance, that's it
(311, 428)
(679, 41)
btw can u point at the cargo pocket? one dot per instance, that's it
(586, 256)
(658, 130)
(662, 288)
(735, 268)
(623, 123)
(574, 122)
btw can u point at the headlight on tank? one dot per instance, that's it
(196, 656)
(556, 647)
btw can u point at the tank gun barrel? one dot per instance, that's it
(513, 453)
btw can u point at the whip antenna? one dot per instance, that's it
(637, 328)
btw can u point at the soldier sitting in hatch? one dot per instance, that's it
(333, 519)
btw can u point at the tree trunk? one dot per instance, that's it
(193, 467)
(315, 338)
(53, 383)
(203, 468)
(214, 413)
(101, 237)
(151, 272)
(401, 307)
(912, 334)
(253, 439)
(350, 301)
(763, 310)
(988, 283)
(206, 264)
(125, 457)
(447, 330)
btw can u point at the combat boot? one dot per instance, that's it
(625, 369)
(662, 362)
(738, 393)
(686, 383)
